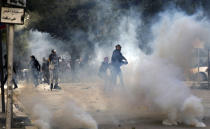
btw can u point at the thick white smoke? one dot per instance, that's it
(162, 88)
(42, 116)
(72, 116)
(160, 74)
(175, 36)
(158, 78)
(67, 115)
(41, 44)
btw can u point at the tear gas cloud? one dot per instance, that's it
(160, 74)
(156, 79)
(176, 36)
(41, 44)
(68, 116)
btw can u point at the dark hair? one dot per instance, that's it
(33, 57)
(118, 45)
(53, 50)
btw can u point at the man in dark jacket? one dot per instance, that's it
(35, 69)
(53, 68)
(45, 70)
(116, 62)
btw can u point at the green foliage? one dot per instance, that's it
(57, 17)
(79, 22)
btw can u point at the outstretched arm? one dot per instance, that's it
(123, 58)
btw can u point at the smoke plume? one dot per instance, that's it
(161, 74)
(154, 81)
(68, 116)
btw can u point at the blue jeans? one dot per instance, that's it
(35, 75)
(115, 72)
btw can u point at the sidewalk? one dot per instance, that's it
(20, 119)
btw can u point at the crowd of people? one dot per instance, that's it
(48, 71)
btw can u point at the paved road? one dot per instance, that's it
(109, 111)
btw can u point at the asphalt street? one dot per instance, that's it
(109, 111)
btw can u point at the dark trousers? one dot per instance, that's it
(46, 76)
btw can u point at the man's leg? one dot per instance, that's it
(114, 76)
(48, 77)
(45, 76)
(36, 78)
(56, 79)
(51, 79)
(39, 75)
(121, 78)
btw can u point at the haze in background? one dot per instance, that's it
(155, 80)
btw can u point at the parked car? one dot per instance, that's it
(201, 75)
